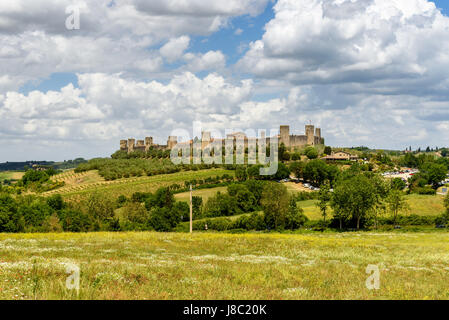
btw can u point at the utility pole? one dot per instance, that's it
(191, 209)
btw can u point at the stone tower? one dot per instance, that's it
(310, 134)
(124, 145)
(131, 145)
(148, 143)
(285, 135)
(172, 141)
(318, 133)
(205, 139)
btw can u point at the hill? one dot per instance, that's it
(15, 166)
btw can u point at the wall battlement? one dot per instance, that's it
(312, 137)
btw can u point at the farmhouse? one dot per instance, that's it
(341, 156)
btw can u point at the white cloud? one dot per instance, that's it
(370, 72)
(390, 45)
(119, 36)
(211, 60)
(109, 107)
(175, 48)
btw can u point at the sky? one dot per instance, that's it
(368, 72)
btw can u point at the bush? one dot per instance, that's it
(425, 191)
(311, 153)
(218, 224)
(134, 217)
(163, 219)
(221, 205)
(252, 222)
(75, 221)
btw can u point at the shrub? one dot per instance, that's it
(221, 205)
(425, 191)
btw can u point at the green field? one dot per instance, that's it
(203, 193)
(421, 205)
(222, 266)
(425, 205)
(81, 185)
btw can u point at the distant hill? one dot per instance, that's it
(14, 166)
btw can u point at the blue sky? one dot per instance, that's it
(228, 40)
(443, 5)
(147, 68)
(232, 40)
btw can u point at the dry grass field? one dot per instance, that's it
(15, 175)
(222, 266)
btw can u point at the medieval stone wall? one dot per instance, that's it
(312, 137)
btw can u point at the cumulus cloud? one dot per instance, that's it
(114, 36)
(174, 48)
(108, 107)
(381, 43)
(371, 72)
(211, 60)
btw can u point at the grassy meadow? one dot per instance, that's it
(15, 175)
(223, 266)
(203, 193)
(421, 205)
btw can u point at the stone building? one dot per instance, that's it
(312, 137)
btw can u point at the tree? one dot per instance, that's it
(382, 188)
(297, 168)
(163, 198)
(436, 173)
(398, 184)
(316, 172)
(311, 153)
(396, 203)
(324, 196)
(286, 156)
(295, 217)
(282, 173)
(56, 202)
(101, 210)
(221, 205)
(446, 203)
(134, 216)
(245, 199)
(410, 160)
(275, 203)
(281, 150)
(256, 187)
(240, 173)
(327, 150)
(354, 197)
(296, 156)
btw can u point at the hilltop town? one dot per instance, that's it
(312, 137)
